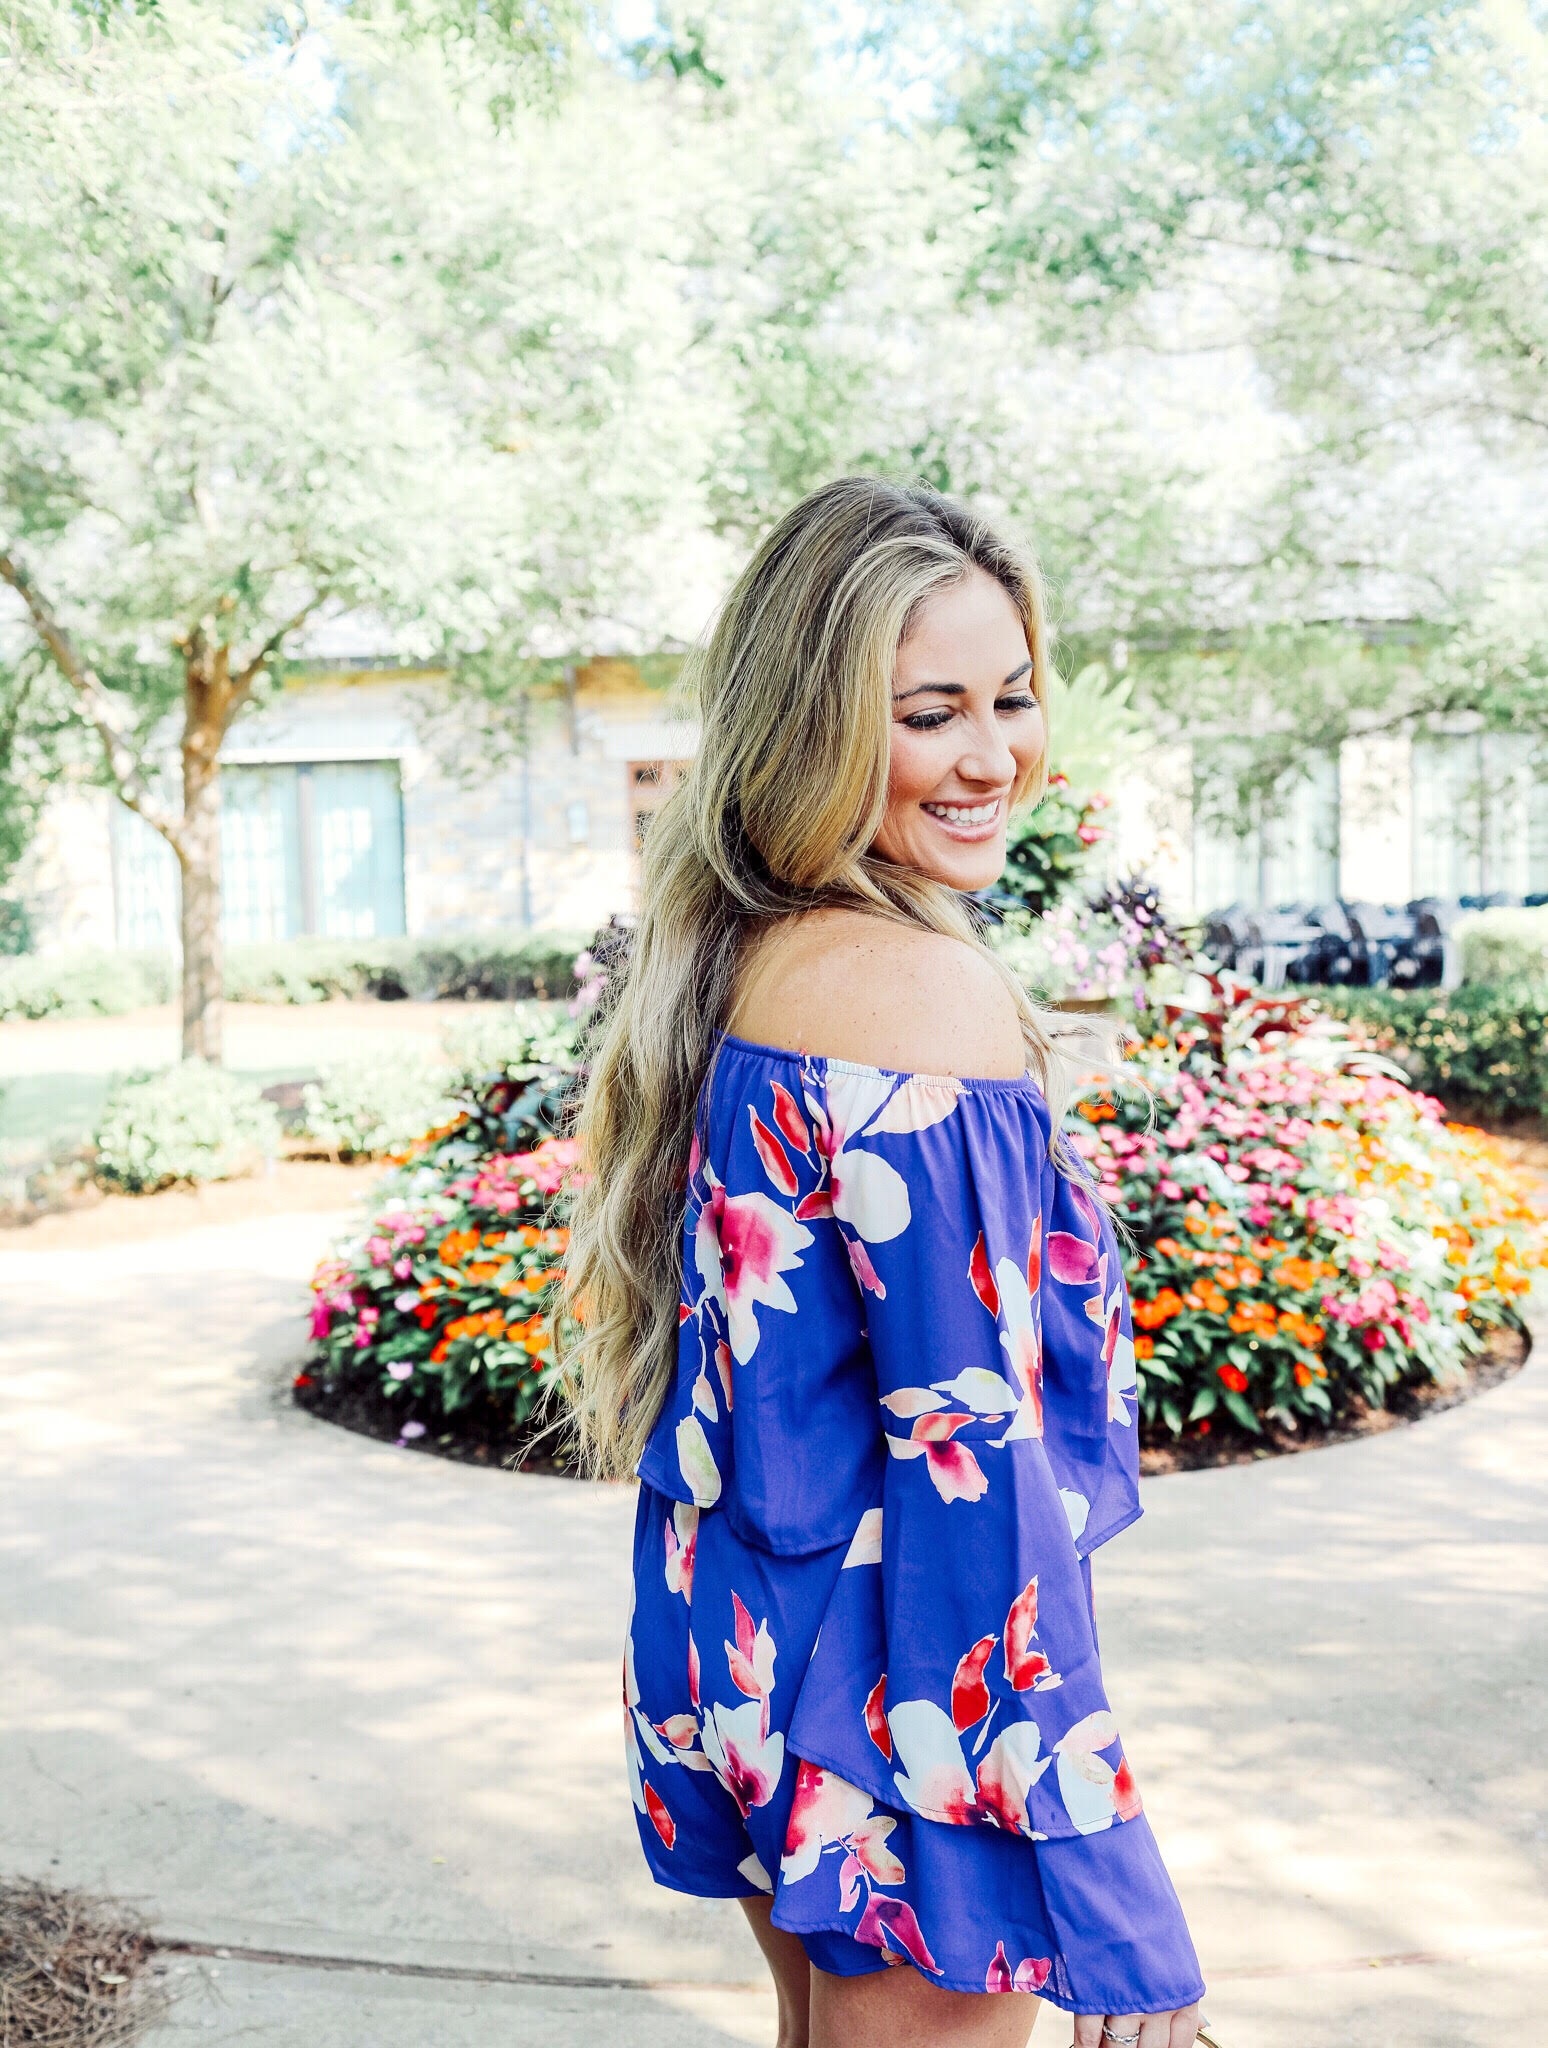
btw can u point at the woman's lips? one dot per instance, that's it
(965, 829)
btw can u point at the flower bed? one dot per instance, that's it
(1307, 1237)
(1484, 1046)
(441, 1313)
(1308, 1240)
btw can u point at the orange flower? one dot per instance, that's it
(1168, 1247)
(1150, 1315)
(456, 1245)
(1296, 1274)
(1144, 1347)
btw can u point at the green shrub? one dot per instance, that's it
(494, 968)
(1482, 1045)
(1048, 849)
(1504, 945)
(362, 1108)
(486, 1049)
(187, 1123)
(84, 983)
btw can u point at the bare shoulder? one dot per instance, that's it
(855, 987)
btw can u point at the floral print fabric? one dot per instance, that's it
(862, 1671)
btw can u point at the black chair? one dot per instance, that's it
(1333, 962)
(1435, 943)
(1228, 936)
(1285, 944)
(1386, 940)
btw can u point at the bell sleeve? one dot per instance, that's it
(957, 1675)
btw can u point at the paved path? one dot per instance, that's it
(311, 1696)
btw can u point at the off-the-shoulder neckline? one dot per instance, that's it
(785, 1052)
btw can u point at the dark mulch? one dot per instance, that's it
(75, 1971)
(477, 1440)
(1504, 1357)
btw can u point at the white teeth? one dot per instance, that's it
(965, 814)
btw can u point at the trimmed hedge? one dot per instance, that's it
(85, 983)
(494, 968)
(1504, 945)
(1483, 1045)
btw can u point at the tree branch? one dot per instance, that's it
(100, 710)
(242, 682)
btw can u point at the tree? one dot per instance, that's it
(1345, 211)
(288, 328)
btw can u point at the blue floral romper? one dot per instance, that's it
(862, 1670)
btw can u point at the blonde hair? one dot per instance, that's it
(775, 816)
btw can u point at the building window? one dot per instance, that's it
(1281, 849)
(1480, 816)
(309, 847)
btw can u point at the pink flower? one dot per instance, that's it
(1030, 1975)
(378, 1250)
(954, 1471)
(747, 1761)
(743, 1244)
(891, 1926)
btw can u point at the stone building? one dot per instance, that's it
(361, 802)
(358, 803)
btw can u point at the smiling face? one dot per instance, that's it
(967, 731)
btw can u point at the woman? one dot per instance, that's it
(854, 1318)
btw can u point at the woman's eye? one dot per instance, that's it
(932, 721)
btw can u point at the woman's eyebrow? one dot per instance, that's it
(959, 689)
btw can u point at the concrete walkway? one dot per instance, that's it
(310, 1697)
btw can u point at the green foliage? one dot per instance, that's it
(513, 1047)
(15, 928)
(362, 1108)
(1503, 945)
(84, 983)
(1095, 732)
(1049, 848)
(187, 1123)
(1482, 1047)
(487, 967)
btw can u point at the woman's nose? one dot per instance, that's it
(988, 757)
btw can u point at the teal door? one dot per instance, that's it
(354, 811)
(312, 847)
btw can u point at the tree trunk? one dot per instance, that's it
(206, 695)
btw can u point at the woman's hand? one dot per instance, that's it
(1138, 2030)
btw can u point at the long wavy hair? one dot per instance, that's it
(775, 816)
